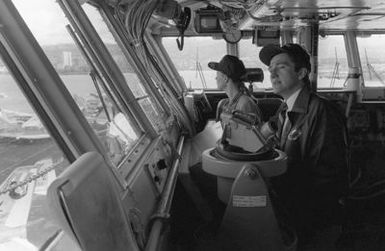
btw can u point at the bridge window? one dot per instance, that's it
(29, 161)
(332, 62)
(153, 111)
(104, 114)
(192, 61)
(372, 54)
(249, 54)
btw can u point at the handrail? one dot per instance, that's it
(164, 205)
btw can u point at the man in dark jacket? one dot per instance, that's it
(313, 135)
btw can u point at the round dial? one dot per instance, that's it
(233, 36)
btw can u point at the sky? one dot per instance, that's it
(41, 17)
(47, 21)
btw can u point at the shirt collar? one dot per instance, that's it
(291, 100)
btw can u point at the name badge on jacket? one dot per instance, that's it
(294, 134)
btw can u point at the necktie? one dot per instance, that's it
(281, 118)
(285, 132)
(284, 125)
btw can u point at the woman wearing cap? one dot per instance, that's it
(229, 73)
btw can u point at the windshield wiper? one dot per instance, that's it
(336, 71)
(94, 74)
(199, 71)
(371, 69)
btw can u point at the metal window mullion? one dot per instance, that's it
(45, 83)
(352, 52)
(44, 117)
(181, 109)
(314, 39)
(174, 100)
(174, 95)
(122, 38)
(91, 46)
(286, 36)
(94, 69)
(353, 57)
(169, 66)
(94, 63)
(232, 49)
(132, 108)
(164, 75)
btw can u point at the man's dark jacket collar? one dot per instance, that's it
(302, 102)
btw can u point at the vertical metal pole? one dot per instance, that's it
(314, 55)
(68, 151)
(232, 49)
(308, 38)
(353, 57)
(286, 36)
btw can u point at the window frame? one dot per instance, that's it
(36, 75)
(161, 94)
(110, 71)
(348, 61)
(117, 30)
(361, 63)
(219, 56)
(40, 84)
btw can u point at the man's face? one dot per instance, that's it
(221, 80)
(284, 78)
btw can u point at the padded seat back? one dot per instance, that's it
(86, 203)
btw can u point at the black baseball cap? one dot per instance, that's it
(231, 66)
(296, 51)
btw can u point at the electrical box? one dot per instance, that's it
(207, 21)
(266, 36)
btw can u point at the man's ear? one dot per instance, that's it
(302, 73)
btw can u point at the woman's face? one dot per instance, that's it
(221, 80)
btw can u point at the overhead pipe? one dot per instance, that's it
(256, 15)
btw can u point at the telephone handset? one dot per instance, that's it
(181, 24)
